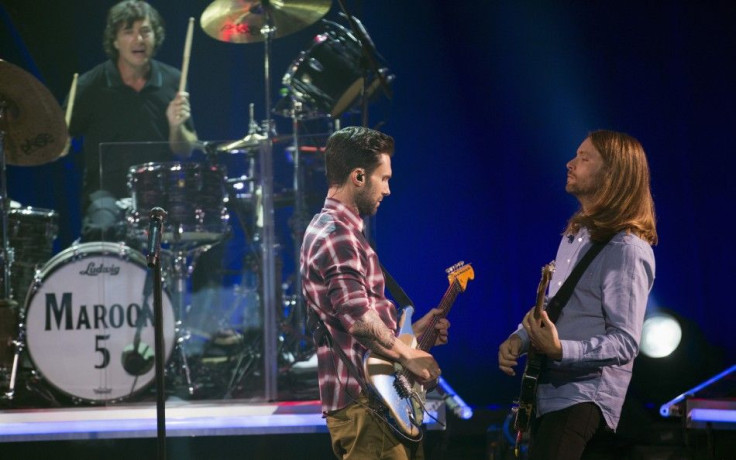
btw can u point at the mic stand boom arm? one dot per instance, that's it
(369, 53)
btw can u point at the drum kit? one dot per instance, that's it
(73, 319)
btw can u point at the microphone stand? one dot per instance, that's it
(157, 218)
(369, 53)
(369, 56)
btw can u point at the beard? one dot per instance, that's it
(363, 201)
(585, 189)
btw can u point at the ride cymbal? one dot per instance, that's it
(240, 21)
(33, 122)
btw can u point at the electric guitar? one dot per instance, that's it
(524, 407)
(397, 390)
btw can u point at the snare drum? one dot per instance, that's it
(31, 234)
(328, 76)
(192, 194)
(88, 305)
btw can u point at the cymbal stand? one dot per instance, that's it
(182, 262)
(7, 253)
(268, 236)
(298, 225)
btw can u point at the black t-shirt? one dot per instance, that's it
(107, 112)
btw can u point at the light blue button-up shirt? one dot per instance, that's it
(600, 327)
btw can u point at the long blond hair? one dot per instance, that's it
(624, 199)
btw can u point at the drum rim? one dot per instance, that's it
(58, 261)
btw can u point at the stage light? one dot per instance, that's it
(660, 336)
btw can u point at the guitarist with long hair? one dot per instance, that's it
(343, 285)
(589, 342)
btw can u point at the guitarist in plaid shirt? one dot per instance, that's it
(343, 286)
(590, 349)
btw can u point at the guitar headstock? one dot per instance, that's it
(547, 272)
(460, 272)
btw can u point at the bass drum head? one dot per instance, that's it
(83, 313)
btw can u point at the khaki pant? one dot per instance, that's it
(359, 434)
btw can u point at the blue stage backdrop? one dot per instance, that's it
(489, 101)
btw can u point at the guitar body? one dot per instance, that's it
(524, 407)
(527, 395)
(403, 399)
(396, 389)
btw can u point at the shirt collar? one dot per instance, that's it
(114, 79)
(350, 217)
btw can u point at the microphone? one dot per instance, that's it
(158, 215)
(453, 401)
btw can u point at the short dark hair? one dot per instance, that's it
(124, 14)
(354, 147)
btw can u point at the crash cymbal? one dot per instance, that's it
(240, 21)
(33, 122)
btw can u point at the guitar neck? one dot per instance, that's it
(429, 337)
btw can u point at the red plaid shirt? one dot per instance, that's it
(341, 281)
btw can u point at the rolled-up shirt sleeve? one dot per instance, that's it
(345, 279)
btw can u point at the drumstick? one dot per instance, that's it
(185, 61)
(70, 103)
(68, 117)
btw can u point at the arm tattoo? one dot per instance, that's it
(372, 333)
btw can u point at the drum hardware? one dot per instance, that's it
(32, 132)
(250, 142)
(182, 262)
(298, 225)
(239, 21)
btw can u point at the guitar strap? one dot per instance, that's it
(556, 303)
(401, 298)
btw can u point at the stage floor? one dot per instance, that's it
(183, 418)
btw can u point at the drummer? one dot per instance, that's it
(129, 98)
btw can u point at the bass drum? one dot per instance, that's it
(87, 308)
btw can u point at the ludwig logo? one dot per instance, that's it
(101, 269)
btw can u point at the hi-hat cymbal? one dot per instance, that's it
(250, 143)
(240, 21)
(33, 122)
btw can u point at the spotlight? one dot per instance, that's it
(660, 335)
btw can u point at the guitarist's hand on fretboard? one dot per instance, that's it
(543, 334)
(434, 319)
(508, 354)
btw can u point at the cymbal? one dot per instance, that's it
(33, 122)
(249, 143)
(240, 21)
